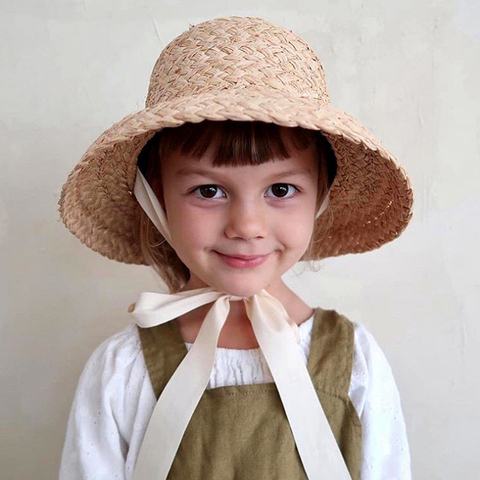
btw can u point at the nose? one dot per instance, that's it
(246, 222)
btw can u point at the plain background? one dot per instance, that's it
(408, 70)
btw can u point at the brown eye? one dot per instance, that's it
(281, 190)
(209, 191)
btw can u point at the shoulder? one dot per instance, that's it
(113, 360)
(369, 358)
(365, 348)
(368, 368)
(335, 327)
(118, 348)
(365, 341)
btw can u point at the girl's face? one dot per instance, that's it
(239, 228)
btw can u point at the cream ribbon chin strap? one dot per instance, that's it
(277, 336)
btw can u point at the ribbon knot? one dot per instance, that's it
(275, 333)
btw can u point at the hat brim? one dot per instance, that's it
(370, 200)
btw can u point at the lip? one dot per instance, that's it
(242, 261)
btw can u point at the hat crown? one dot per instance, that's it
(234, 54)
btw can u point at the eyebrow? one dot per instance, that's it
(191, 171)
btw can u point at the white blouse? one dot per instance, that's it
(114, 401)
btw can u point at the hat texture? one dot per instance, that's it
(245, 69)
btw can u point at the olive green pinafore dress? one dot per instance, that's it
(241, 432)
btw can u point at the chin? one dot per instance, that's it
(243, 292)
(240, 289)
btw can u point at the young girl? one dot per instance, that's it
(238, 168)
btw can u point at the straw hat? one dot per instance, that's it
(239, 68)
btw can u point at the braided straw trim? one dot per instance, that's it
(370, 202)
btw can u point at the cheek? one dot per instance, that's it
(297, 233)
(303, 232)
(190, 231)
(301, 222)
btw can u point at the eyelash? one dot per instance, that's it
(289, 186)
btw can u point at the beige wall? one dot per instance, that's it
(409, 70)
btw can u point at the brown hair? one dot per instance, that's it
(236, 143)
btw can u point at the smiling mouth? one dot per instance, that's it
(242, 261)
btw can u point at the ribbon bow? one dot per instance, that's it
(277, 336)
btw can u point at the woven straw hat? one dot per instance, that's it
(239, 68)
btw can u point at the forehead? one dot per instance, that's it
(184, 168)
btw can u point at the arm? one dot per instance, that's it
(375, 395)
(94, 447)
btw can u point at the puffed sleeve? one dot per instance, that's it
(374, 393)
(95, 444)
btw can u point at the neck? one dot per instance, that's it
(237, 331)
